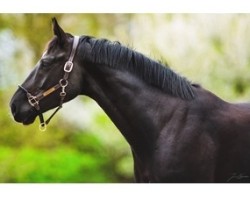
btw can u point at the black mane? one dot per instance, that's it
(113, 54)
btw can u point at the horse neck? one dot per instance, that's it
(132, 105)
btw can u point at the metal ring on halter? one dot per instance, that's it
(33, 101)
(43, 127)
(63, 82)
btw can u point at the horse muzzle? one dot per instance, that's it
(22, 113)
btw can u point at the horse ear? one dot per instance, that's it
(58, 31)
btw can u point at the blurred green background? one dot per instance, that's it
(81, 143)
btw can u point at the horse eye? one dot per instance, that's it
(45, 62)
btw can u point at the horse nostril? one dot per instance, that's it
(13, 108)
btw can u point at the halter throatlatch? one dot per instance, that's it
(63, 83)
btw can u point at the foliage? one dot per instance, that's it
(27, 165)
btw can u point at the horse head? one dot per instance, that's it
(52, 81)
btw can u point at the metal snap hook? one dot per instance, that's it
(62, 94)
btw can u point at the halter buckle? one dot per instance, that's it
(68, 66)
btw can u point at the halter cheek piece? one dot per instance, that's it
(63, 83)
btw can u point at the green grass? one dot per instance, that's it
(61, 165)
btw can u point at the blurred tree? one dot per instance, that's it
(35, 29)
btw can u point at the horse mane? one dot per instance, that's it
(114, 55)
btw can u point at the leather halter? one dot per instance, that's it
(63, 83)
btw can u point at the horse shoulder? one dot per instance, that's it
(185, 150)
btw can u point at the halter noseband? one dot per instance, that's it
(63, 83)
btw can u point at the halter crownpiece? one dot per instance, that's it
(63, 83)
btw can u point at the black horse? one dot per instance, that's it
(178, 131)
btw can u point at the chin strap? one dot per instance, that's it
(43, 124)
(63, 83)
